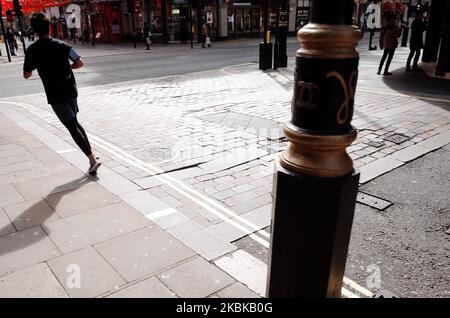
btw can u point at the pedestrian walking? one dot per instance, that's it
(205, 35)
(416, 41)
(147, 34)
(85, 36)
(51, 59)
(388, 42)
(10, 39)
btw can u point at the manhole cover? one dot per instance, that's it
(156, 154)
(397, 138)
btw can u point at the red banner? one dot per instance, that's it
(29, 6)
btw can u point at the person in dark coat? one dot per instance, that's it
(147, 36)
(388, 41)
(10, 39)
(416, 41)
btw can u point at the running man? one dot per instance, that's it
(51, 59)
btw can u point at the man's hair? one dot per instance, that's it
(40, 23)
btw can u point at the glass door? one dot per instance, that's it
(256, 26)
(173, 24)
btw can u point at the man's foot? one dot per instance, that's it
(387, 73)
(379, 72)
(408, 69)
(416, 69)
(94, 165)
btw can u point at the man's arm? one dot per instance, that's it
(28, 64)
(77, 64)
(76, 59)
(27, 75)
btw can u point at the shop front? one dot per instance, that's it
(106, 23)
(179, 12)
(244, 19)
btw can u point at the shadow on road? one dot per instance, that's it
(419, 84)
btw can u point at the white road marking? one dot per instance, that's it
(358, 287)
(165, 212)
(348, 294)
(195, 196)
(66, 150)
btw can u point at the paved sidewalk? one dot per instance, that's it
(56, 222)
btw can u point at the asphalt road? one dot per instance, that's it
(107, 64)
(403, 250)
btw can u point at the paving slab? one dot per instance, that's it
(143, 252)
(22, 249)
(168, 218)
(377, 168)
(237, 290)
(144, 202)
(54, 183)
(229, 232)
(9, 195)
(435, 141)
(409, 153)
(36, 281)
(6, 226)
(30, 213)
(86, 197)
(85, 273)
(201, 240)
(149, 182)
(12, 178)
(245, 268)
(80, 230)
(20, 166)
(196, 278)
(148, 288)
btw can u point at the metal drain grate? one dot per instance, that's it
(397, 138)
(376, 144)
(372, 201)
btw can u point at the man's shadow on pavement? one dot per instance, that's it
(31, 239)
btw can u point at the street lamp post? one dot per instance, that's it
(315, 184)
(191, 26)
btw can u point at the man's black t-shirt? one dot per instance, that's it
(51, 59)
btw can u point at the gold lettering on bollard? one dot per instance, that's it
(349, 94)
(306, 95)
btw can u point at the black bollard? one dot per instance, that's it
(315, 184)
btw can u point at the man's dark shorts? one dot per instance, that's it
(66, 111)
